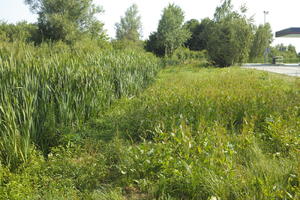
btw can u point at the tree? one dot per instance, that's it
(21, 31)
(192, 26)
(170, 32)
(154, 45)
(199, 31)
(66, 20)
(224, 11)
(230, 36)
(288, 52)
(262, 39)
(130, 26)
(292, 49)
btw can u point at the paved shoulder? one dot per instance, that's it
(287, 69)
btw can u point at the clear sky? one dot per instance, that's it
(282, 14)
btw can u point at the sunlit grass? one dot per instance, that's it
(202, 133)
(107, 133)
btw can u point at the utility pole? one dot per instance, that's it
(265, 16)
(267, 49)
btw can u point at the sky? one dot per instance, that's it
(282, 14)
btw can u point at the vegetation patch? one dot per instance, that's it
(204, 133)
(46, 91)
(197, 133)
(82, 117)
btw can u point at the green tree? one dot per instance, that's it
(224, 11)
(262, 39)
(199, 31)
(130, 26)
(21, 31)
(288, 52)
(170, 32)
(230, 36)
(67, 20)
(154, 45)
(192, 26)
(292, 49)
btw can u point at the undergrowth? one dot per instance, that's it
(195, 134)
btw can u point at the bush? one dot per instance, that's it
(184, 56)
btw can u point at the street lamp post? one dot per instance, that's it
(267, 49)
(265, 16)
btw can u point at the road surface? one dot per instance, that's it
(287, 69)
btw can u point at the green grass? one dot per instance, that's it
(196, 133)
(200, 133)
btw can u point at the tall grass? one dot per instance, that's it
(206, 134)
(45, 89)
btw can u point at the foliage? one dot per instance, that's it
(154, 45)
(44, 90)
(200, 33)
(21, 31)
(170, 32)
(194, 134)
(288, 52)
(261, 41)
(66, 20)
(204, 133)
(217, 101)
(223, 11)
(130, 25)
(71, 172)
(230, 36)
(128, 44)
(192, 26)
(86, 120)
(185, 56)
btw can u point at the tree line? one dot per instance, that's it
(230, 37)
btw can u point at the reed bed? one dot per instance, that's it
(45, 89)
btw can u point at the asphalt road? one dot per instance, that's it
(287, 69)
